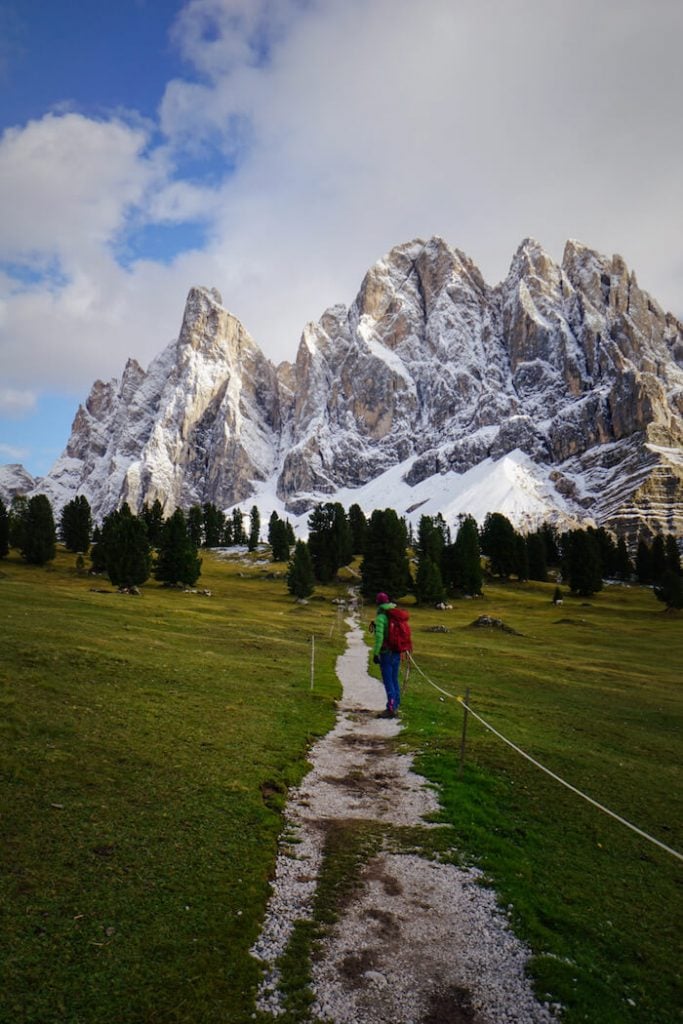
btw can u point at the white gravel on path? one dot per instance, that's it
(421, 942)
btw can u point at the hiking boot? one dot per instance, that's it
(387, 713)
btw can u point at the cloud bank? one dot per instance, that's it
(306, 138)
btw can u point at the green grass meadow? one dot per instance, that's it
(147, 744)
(592, 690)
(146, 747)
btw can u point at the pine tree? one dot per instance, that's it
(431, 538)
(18, 512)
(608, 552)
(624, 567)
(177, 561)
(537, 556)
(195, 525)
(670, 589)
(643, 562)
(214, 521)
(76, 524)
(300, 579)
(359, 528)
(227, 538)
(254, 528)
(4, 530)
(549, 534)
(498, 542)
(385, 563)
(461, 561)
(154, 521)
(39, 534)
(521, 561)
(428, 582)
(278, 539)
(126, 548)
(238, 535)
(582, 561)
(329, 540)
(673, 555)
(658, 554)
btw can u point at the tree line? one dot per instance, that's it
(130, 548)
(452, 566)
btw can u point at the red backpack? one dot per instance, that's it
(399, 638)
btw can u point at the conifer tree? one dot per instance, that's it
(278, 539)
(154, 521)
(537, 557)
(39, 534)
(658, 555)
(214, 521)
(126, 548)
(18, 512)
(195, 525)
(428, 582)
(289, 529)
(431, 538)
(238, 535)
(329, 540)
(177, 561)
(4, 530)
(254, 528)
(521, 557)
(359, 528)
(582, 562)
(670, 589)
(300, 578)
(673, 555)
(643, 562)
(385, 563)
(608, 552)
(227, 538)
(76, 524)
(462, 560)
(623, 565)
(498, 542)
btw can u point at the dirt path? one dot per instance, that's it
(420, 942)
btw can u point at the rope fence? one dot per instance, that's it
(553, 775)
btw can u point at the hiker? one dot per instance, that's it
(389, 661)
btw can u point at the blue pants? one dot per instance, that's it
(389, 664)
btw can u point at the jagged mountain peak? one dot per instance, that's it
(430, 368)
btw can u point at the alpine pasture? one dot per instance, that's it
(148, 743)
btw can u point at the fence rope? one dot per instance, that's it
(557, 778)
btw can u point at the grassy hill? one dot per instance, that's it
(146, 745)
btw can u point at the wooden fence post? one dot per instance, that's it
(464, 731)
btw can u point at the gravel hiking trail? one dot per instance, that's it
(418, 941)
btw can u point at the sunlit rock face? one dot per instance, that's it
(571, 364)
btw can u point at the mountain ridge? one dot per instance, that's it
(430, 368)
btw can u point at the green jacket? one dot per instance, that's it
(381, 627)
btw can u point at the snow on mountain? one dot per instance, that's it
(14, 479)
(556, 394)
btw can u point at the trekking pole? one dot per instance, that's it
(464, 730)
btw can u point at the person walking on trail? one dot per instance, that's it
(389, 661)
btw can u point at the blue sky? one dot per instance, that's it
(275, 149)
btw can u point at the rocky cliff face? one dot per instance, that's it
(573, 365)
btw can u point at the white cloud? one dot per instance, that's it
(345, 128)
(14, 403)
(8, 451)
